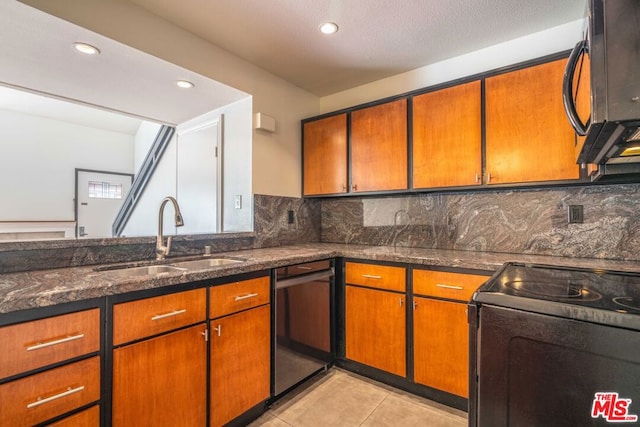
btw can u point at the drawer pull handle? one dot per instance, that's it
(241, 297)
(369, 276)
(218, 330)
(455, 287)
(55, 342)
(305, 268)
(173, 313)
(41, 401)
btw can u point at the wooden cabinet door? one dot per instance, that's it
(240, 363)
(324, 149)
(528, 136)
(162, 381)
(375, 328)
(447, 137)
(441, 345)
(379, 147)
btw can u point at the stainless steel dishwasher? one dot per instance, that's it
(303, 322)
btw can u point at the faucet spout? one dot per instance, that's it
(161, 250)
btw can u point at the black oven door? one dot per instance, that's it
(541, 370)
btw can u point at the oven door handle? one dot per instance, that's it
(313, 277)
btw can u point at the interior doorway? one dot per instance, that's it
(199, 176)
(99, 195)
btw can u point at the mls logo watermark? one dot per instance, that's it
(612, 408)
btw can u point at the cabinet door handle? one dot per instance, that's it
(401, 301)
(488, 177)
(455, 287)
(354, 187)
(415, 304)
(477, 178)
(54, 342)
(344, 187)
(218, 329)
(173, 313)
(40, 400)
(241, 297)
(369, 276)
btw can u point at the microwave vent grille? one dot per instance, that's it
(635, 136)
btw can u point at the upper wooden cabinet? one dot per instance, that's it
(325, 156)
(379, 147)
(447, 137)
(528, 137)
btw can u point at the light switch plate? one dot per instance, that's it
(238, 202)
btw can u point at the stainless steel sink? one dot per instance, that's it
(151, 270)
(199, 264)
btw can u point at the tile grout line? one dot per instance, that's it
(376, 408)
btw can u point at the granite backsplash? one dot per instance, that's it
(531, 221)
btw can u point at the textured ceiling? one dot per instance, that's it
(377, 38)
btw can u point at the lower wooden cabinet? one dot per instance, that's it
(161, 381)
(240, 363)
(440, 329)
(441, 345)
(37, 398)
(375, 328)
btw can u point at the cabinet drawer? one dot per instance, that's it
(87, 418)
(227, 299)
(443, 284)
(376, 276)
(39, 397)
(309, 267)
(151, 316)
(39, 343)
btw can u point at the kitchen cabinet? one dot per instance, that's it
(379, 153)
(441, 332)
(33, 393)
(528, 136)
(160, 379)
(324, 147)
(240, 343)
(447, 137)
(375, 316)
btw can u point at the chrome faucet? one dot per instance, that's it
(162, 250)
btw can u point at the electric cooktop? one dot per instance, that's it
(598, 296)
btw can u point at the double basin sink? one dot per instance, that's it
(170, 267)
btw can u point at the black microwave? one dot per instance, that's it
(601, 88)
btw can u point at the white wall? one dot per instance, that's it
(277, 156)
(532, 46)
(38, 162)
(144, 218)
(144, 139)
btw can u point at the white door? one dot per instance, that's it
(198, 178)
(100, 195)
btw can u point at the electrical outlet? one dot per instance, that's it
(576, 214)
(290, 217)
(238, 202)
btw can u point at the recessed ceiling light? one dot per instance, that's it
(185, 84)
(329, 28)
(86, 48)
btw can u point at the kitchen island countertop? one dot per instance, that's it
(42, 288)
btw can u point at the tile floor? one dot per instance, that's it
(341, 398)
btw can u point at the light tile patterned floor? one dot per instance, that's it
(340, 398)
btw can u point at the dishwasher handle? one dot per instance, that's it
(293, 281)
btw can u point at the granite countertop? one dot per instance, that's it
(33, 289)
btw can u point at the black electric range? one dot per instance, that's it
(555, 346)
(598, 296)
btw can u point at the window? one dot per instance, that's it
(104, 190)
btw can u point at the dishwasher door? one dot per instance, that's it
(303, 322)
